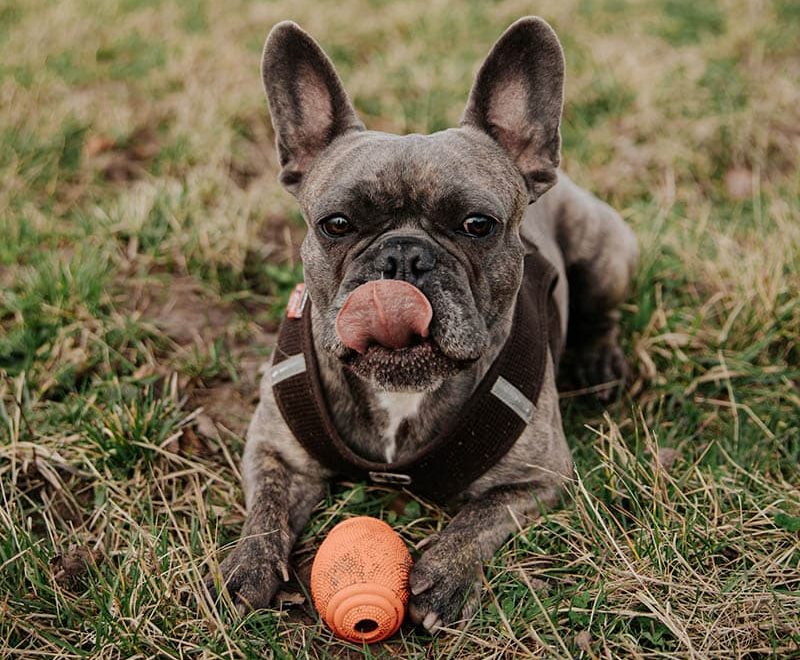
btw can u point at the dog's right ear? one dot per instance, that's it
(308, 104)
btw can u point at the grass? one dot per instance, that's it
(146, 249)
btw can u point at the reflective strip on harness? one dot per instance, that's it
(288, 368)
(514, 399)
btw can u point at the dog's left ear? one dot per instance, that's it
(517, 99)
(307, 102)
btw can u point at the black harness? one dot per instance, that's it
(503, 404)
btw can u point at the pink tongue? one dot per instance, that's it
(386, 312)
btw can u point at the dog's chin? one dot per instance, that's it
(420, 367)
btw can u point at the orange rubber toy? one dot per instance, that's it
(359, 580)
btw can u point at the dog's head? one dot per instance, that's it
(440, 212)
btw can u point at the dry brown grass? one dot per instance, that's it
(146, 245)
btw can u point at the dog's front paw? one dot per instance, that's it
(251, 574)
(445, 585)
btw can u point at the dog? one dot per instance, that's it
(417, 254)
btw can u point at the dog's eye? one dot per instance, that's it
(478, 226)
(335, 226)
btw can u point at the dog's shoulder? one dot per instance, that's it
(540, 455)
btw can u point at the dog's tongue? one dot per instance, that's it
(386, 312)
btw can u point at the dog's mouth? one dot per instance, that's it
(385, 325)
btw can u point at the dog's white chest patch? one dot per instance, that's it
(398, 407)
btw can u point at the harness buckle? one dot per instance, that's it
(392, 478)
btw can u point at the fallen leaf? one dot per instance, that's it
(72, 567)
(583, 640)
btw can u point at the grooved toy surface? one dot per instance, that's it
(359, 580)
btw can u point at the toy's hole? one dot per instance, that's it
(365, 626)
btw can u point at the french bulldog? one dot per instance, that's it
(450, 217)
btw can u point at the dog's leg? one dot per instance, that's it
(600, 255)
(280, 501)
(445, 582)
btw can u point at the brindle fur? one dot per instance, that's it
(503, 157)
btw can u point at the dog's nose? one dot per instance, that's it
(405, 258)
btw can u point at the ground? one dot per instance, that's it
(146, 250)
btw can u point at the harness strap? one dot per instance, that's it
(493, 418)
